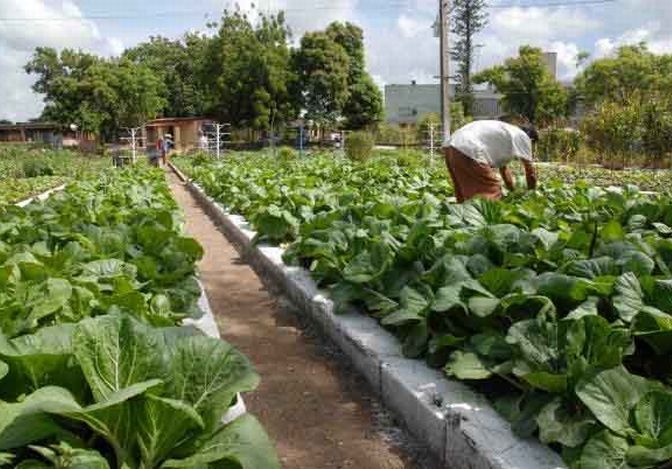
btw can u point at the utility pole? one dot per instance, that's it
(444, 32)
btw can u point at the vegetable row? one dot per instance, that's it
(25, 172)
(556, 304)
(95, 369)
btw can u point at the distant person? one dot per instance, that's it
(167, 147)
(153, 154)
(203, 142)
(161, 150)
(475, 151)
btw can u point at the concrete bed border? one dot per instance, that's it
(40, 197)
(459, 425)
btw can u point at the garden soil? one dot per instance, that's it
(320, 414)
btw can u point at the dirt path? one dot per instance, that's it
(319, 415)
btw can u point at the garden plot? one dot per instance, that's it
(554, 304)
(94, 366)
(25, 172)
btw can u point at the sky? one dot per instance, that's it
(398, 35)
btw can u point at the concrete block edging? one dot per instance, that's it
(460, 426)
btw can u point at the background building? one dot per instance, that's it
(405, 104)
(185, 131)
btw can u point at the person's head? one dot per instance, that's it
(531, 132)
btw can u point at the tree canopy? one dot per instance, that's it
(177, 63)
(334, 82)
(246, 73)
(632, 70)
(98, 95)
(528, 87)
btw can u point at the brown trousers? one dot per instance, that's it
(471, 178)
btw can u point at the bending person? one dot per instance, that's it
(478, 149)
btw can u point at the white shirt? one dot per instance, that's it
(491, 142)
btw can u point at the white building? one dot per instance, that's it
(406, 104)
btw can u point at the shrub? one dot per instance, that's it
(614, 131)
(657, 130)
(36, 168)
(410, 158)
(287, 154)
(200, 158)
(391, 134)
(359, 146)
(558, 144)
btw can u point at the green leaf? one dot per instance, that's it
(587, 308)
(655, 327)
(641, 456)
(207, 374)
(29, 421)
(611, 395)
(466, 366)
(162, 425)
(482, 306)
(612, 231)
(413, 303)
(661, 295)
(243, 442)
(628, 298)
(549, 382)
(636, 262)
(604, 451)
(557, 425)
(538, 343)
(41, 359)
(448, 298)
(591, 268)
(562, 288)
(116, 352)
(416, 340)
(63, 456)
(653, 417)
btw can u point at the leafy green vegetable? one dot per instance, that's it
(556, 303)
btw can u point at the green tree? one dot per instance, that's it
(468, 18)
(322, 66)
(528, 87)
(177, 63)
(99, 95)
(247, 71)
(633, 69)
(364, 105)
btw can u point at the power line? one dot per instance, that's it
(393, 5)
(552, 4)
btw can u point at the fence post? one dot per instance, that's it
(431, 142)
(217, 129)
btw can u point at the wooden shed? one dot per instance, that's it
(184, 131)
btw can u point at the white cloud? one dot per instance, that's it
(658, 40)
(538, 24)
(40, 23)
(411, 27)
